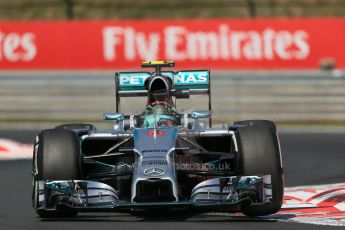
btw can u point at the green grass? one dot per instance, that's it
(111, 9)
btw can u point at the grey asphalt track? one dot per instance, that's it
(308, 159)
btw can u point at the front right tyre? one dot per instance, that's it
(56, 157)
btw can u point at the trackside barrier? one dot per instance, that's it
(205, 43)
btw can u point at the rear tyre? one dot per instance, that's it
(80, 129)
(257, 123)
(56, 157)
(260, 154)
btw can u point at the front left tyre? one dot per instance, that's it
(259, 149)
(56, 156)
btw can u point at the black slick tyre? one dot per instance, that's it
(79, 128)
(257, 123)
(260, 155)
(56, 157)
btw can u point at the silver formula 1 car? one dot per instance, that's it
(160, 159)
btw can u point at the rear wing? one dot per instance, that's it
(131, 84)
(185, 83)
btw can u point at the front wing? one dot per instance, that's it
(224, 193)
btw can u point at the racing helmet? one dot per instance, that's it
(159, 115)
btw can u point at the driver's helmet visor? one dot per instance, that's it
(158, 109)
(152, 121)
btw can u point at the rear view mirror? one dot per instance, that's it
(118, 117)
(113, 117)
(201, 114)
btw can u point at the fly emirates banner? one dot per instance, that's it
(205, 43)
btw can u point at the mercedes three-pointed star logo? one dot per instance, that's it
(154, 172)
